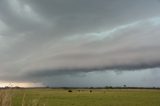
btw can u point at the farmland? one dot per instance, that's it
(80, 97)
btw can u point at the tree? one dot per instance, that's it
(124, 86)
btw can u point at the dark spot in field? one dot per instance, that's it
(69, 90)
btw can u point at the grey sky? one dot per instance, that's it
(46, 40)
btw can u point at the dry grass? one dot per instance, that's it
(5, 98)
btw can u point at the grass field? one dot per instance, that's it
(61, 97)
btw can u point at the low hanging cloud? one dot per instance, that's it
(53, 37)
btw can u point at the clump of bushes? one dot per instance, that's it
(69, 90)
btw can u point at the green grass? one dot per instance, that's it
(60, 97)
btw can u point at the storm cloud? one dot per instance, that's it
(42, 39)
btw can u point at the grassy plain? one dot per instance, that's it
(83, 97)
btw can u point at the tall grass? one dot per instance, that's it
(6, 97)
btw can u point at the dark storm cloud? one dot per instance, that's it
(65, 71)
(81, 16)
(44, 38)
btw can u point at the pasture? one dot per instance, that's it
(79, 97)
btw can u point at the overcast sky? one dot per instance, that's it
(80, 42)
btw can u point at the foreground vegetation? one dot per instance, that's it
(77, 97)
